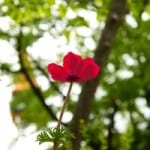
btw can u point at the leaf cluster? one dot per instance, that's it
(54, 134)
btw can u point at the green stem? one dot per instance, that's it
(56, 143)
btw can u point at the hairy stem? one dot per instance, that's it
(56, 143)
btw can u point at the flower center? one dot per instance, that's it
(73, 78)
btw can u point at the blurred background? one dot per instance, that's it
(37, 32)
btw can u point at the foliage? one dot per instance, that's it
(54, 134)
(24, 102)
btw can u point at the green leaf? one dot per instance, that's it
(78, 21)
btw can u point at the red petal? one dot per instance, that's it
(89, 70)
(57, 72)
(71, 63)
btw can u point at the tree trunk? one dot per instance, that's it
(118, 9)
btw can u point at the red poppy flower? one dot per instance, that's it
(74, 69)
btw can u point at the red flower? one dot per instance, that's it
(74, 68)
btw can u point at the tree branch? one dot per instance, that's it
(111, 126)
(38, 66)
(35, 89)
(114, 20)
